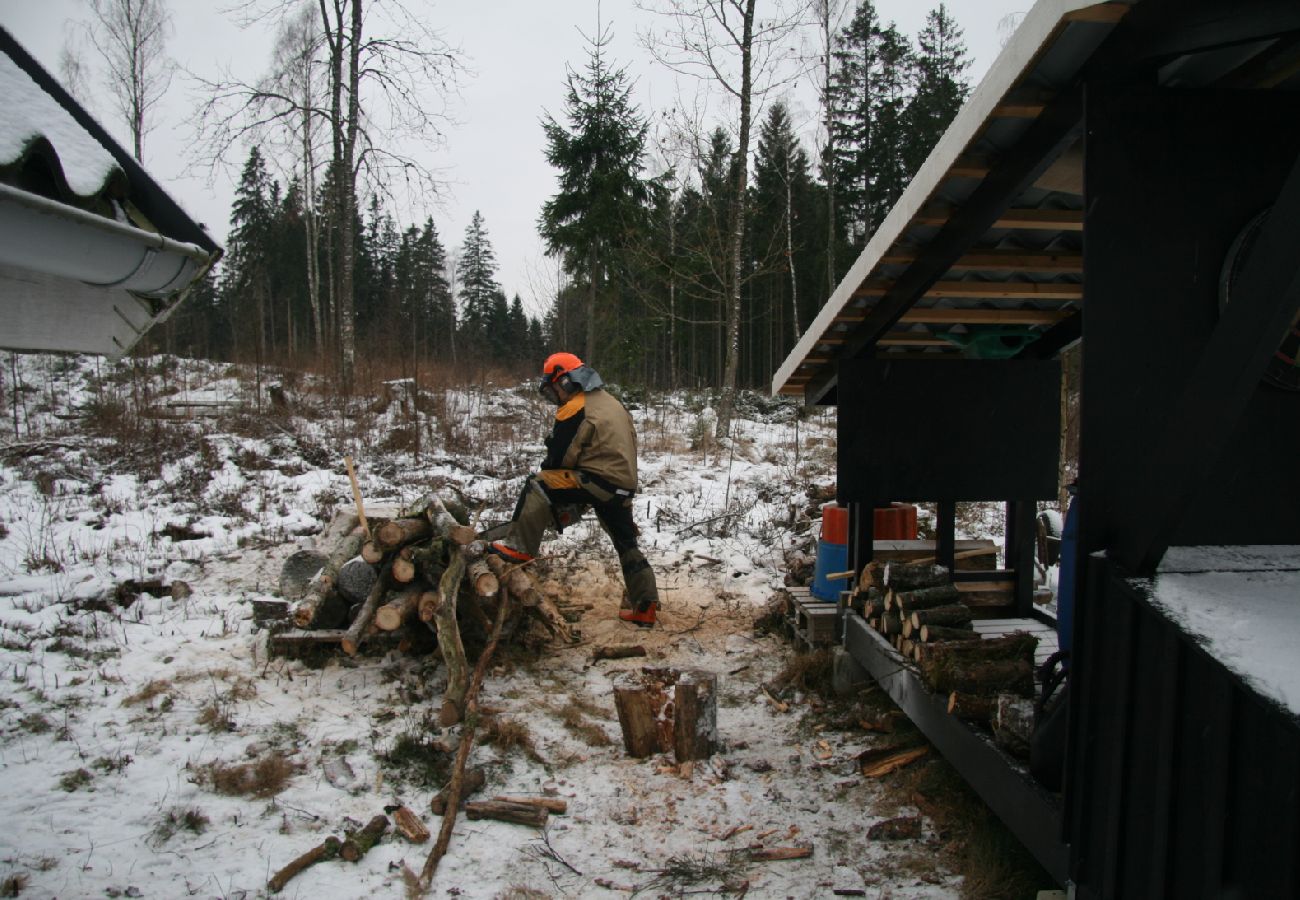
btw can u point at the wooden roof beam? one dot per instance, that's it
(981, 290)
(1003, 260)
(1044, 317)
(1022, 219)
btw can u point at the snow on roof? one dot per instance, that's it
(28, 114)
(1242, 604)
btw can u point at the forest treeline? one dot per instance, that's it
(317, 268)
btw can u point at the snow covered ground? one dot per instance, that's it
(149, 746)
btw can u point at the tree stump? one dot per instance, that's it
(663, 709)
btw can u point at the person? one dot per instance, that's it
(590, 462)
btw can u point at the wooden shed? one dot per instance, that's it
(1126, 176)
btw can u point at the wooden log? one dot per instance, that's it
(306, 614)
(355, 579)
(516, 813)
(902, 576)
(471, 783)
(905, 648)
(970, 707)
(359, 842)
(428, 605)
(360, 626)
(449, 642)
(466, 742)
(431, 559)
(327, 849)
(979, 676)
(403, 568)
(661, 709)
(400, 607)
(372, 553)
(537, 604)
(1017, 645)
(874, 605)
(931, 634)
(286, 643)
(267, 611)
(1013, 724)
(395, 533)
(953, 615)
(772, 854)
(553, 805)
(891, 624)
(908, 628)
(410, 825)
(481, 579)
(909, 602)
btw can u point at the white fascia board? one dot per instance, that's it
(1010, 66)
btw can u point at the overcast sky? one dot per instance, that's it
(494, 158)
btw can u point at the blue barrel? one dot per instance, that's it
(831, 558)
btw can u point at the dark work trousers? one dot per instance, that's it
(540, 507)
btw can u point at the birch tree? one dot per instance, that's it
(131, 38)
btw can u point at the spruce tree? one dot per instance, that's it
(477, 288)
(602, 199)
(247, 284)
(941, 85)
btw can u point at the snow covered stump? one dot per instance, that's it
(666, 709)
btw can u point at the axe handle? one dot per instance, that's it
(356, 495)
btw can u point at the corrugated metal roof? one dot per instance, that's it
(983, 254)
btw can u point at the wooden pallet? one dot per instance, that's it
(814, 623)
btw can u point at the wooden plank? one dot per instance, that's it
(1002, 260)
(997, 290)
(982, 316)
(1028, 219)
(1100, 14)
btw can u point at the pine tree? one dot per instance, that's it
(941, 86)
(601, 201)
(477, 288)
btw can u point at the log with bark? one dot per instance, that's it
(535, 603)
(908, 602)
(506, 811)
(909, 576)
(1013, 724)
(553, 805)
(621, 651)
(1017, 645)
(327, 849)
(399, 608)
(359, 842)
(953, 615)
(360, 626)
(662, 709)
(402, 570)
(315, 609)
(979, 676)
(931, 634)
(971, 707)
(891, 624)
(471, 783)
(393, 534)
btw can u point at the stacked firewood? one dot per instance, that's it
(407, 576)
(986, 680)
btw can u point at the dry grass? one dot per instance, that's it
(262, 778)
(178, 819)
(13, 885)
(574, 716)
(508, 735)
(807, 672)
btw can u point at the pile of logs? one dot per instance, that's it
(986, 680)
(404, 577)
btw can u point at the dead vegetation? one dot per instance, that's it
(261, 778)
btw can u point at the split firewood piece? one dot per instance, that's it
(954, 614)
(899, 828)
(515, 813)
(735, 830)
(661, 709)
(314, 606)
(394, 533)
(554, 805)
(359, 842)
(882, 725)
(932, 634)
(327, 849)
(771, 854)
(619, 651)
(970, 707)
(403, 569)
(365, 615)
(472, 783)
(409, 824)
(538, 605)
(876, 763)
(400, 607)
(908, 602)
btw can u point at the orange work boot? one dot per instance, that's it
(642, 617)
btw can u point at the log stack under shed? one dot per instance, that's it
(922, 615)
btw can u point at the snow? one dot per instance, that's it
(1243, 605)
(28, 113)
(144, 698)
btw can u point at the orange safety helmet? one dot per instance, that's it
(558, 364)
